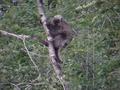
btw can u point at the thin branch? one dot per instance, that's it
(31, 58)
(52, 55)
(5, 33)
(14, 35)
(103, 24)
(110, 21)
(15, 86)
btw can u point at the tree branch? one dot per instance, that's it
(14, 35)
(21, 37)
(56, 66)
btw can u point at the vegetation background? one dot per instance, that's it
(91, 61)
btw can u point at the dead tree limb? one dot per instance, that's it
(20, 37)
(5, 33)
(56, 66)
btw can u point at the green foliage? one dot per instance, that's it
(91, 61)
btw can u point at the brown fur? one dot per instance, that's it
(61, 32)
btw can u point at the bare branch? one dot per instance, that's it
(31, 58)
(21, 37)
(15, 86)
(14, 35)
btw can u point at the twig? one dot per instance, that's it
(31, 58)
(56, 66)
(110, 21)
(15, 86)
(103, 24)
